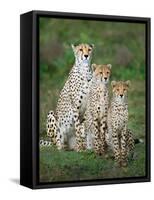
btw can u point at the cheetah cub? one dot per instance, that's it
(118, 135)
(97, 107)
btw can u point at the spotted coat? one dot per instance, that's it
(97, 106)
(118, 136)
(65, 124)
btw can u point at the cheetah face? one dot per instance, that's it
(120, 89)
(83, 52)
(101, 72)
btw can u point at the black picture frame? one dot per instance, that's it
(29, 98)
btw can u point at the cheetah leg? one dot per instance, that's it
(103, 129)
(96, 137)
(80, 138)
(53, 131)
(124, 147)
(116, 147)
(89, 140)
(78, 132)
(59, 140)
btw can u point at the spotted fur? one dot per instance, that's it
(51, 126)
(45, 143)
(118, 136)
(65, 124)
(97, 106)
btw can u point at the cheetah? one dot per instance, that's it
(65, 125)
(97, 107)
(118, 136)
(51, 127)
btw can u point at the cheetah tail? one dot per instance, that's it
(137, 141)
(131, 136)
(51, 125)
(45, 143)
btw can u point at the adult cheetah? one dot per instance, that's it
(64, 125)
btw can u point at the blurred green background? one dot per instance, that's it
(117, 43)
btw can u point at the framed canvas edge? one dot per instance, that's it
(92, 183)
(35, 82)
(88, 16)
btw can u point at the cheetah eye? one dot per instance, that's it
(107, 72)
(89, 49)
(124, 90)
(117, 90)
(81, 49)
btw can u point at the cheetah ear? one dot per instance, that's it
(93, 66)
(109, 65)
(128, 83)
(92, 45)
(113, 84)
(73, 47)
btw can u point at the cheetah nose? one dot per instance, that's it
(86, 56)
(121, 95)
(105, 78)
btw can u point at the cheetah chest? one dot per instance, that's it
(119, 117)
(102, 104)
(83, 97)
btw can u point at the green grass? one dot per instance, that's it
(122, 45)
(72, 166)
